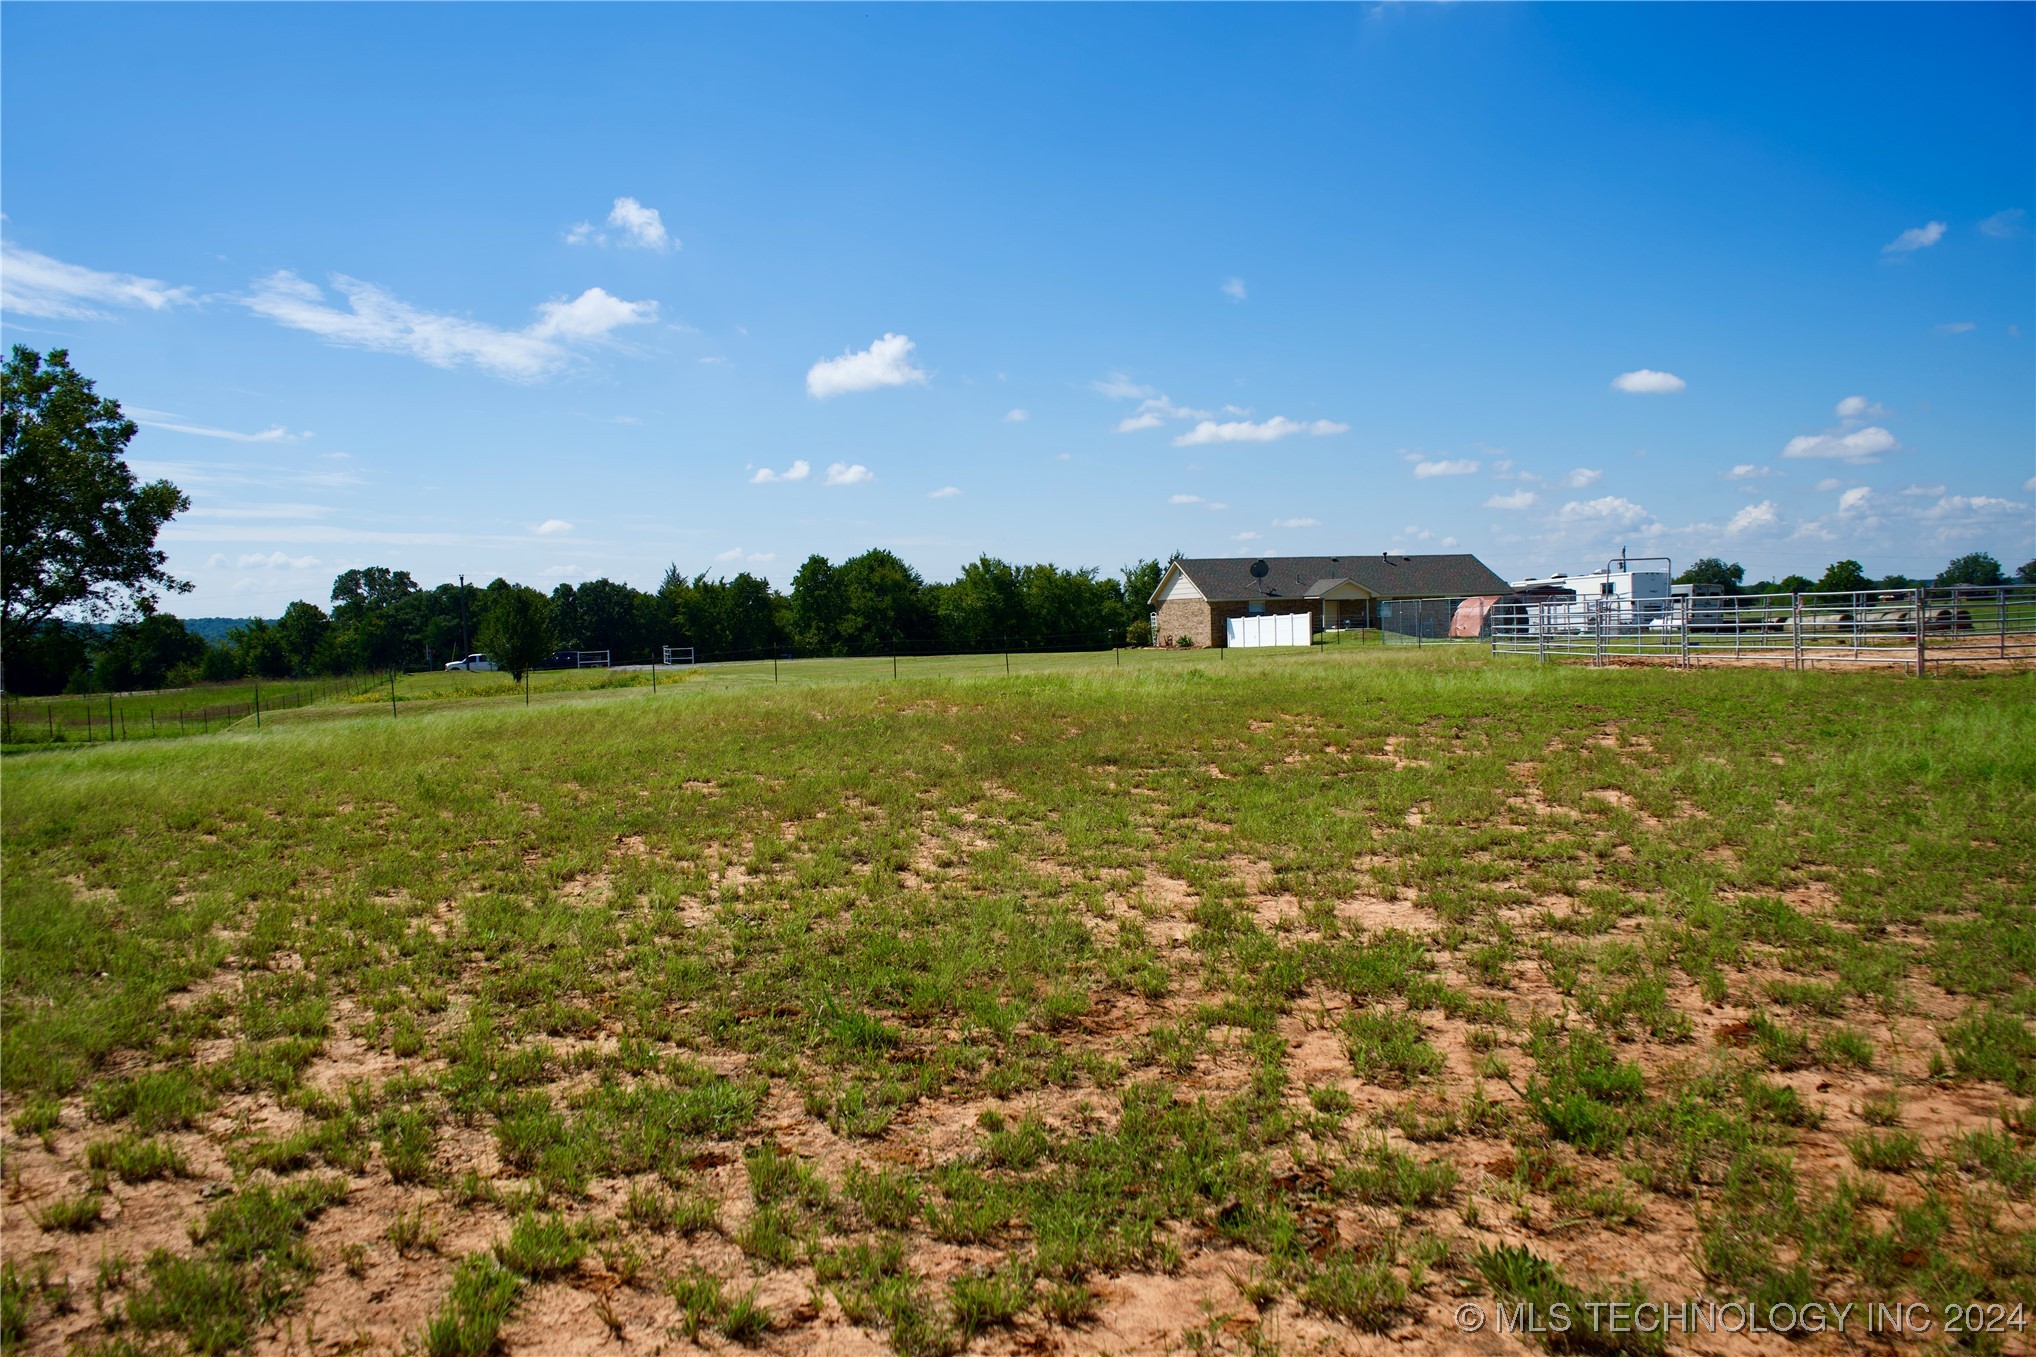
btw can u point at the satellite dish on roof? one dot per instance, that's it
(1259, 570)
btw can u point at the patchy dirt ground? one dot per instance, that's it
(1317, 1031)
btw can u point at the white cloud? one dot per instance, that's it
(552, 527)
(1915, 238)
(1610, 510)
(842, 473)
(1859, 407)
(1828, 483)
(640, 226)
(797, 471)
(1461, 466)
(761, 556)
(1233, 288)
(1648, 382)
(1519, 499)
(34, 284)
(1119, 387)
(2030, 484)
(1217, 506)
(1855, 499)
(2004, 225)
(1297, 523)
(732, 554)
(1926, 491)
(1245, 537)
(644, 227)
(1954, 327)
(1256, 431)
(376, 320)
(275, 433)
(1753, 518)
(1184, 499)
(1859, 446)
(887, 362)
(1748, 471)
(1582, 477)
(1154, 411)
(1015, 417)
(275, 560)
(944, 492)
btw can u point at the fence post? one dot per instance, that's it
(2001, 616)
(258, 704)
(1796, 625)
(1689, 611)
(894, 664)
(774, 667)
(88, 723)
(111, 734)
(1922, 623)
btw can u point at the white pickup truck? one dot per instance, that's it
(476, 664)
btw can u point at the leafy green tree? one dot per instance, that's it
(518, 634)
(983, 607)
(371, 617)
(883, 608)
(139, 654)
(2025, 573)
(77, 530)
(1708, 570)
(1140, 578)
(1843, 576)
(44, 659)
(1977, 567)
(817, 605)
(303, 629)
(611, 618)
(259, 650)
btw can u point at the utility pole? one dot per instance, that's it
(464, 651)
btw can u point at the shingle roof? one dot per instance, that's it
(1228, 578)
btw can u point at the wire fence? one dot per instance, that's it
(1909, 628)
(1912, 629)
(96, 718)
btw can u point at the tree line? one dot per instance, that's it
(1976, 568)
(78, 537)
(380, 618)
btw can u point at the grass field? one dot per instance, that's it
(1261, 1004)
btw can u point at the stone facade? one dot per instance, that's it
(1187, 617)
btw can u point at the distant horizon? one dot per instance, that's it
(555, 294)
(167, 605)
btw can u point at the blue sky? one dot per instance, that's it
(556, 293)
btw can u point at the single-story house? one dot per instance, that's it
(1196, 597)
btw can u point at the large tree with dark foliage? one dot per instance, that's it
(1709, 570)
(1976, 567)
(518, 633)
(79, 528)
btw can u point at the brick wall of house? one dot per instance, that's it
(1187, 617)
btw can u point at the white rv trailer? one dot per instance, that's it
(1629, 594)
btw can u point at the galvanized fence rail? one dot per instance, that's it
(1909, 628)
